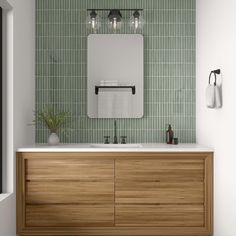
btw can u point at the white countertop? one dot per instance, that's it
(151, 147)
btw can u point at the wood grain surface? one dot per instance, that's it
(91, 194)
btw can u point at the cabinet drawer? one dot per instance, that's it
(160, 216)
(98, 192)
(69, 169)
(160, 170)
(69, 215)
(159, 192)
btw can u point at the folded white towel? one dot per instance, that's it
(210, 96)
(109, 82)
(102, 83)
(218, 98)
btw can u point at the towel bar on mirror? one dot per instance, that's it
(98, 87)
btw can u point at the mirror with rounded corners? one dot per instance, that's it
(115, 76)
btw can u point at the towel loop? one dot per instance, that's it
(214, 72)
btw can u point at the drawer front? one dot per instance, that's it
(159, 181)
(69, 192)
(42, 192)
(69, 169)
(160, 216)
(160, 170)
(159, 192)
(69, 215)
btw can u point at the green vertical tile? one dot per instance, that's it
(169, 68)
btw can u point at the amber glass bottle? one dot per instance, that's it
(169, 135)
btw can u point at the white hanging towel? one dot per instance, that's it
(123, 104)
(105, 104)
(218, 98)
(210, 96)
(115, 104)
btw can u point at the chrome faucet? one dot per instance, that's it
(115, 141)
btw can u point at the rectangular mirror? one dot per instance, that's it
(115, 76)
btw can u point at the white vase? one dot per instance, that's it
(53, 139)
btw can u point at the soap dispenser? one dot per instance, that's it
(169, 135)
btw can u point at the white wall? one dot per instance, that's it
(216, 48)
(19, 75)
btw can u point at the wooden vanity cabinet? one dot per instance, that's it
(114, 194)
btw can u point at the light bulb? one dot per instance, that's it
(93, 23)
(136, 23)
(114, 23)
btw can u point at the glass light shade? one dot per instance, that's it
(114, 25)
(93, 22)
(114, 20)
(136, 21)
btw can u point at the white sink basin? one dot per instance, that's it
(111, 145)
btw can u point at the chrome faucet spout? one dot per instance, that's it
(115, 133)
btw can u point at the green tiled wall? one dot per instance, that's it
(169, 69)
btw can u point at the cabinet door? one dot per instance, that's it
(166, 191)
(69, 192)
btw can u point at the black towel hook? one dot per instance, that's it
(214, 72)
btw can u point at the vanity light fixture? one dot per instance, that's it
(114, 19)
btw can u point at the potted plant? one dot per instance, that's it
(53, 120)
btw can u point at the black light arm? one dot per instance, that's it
(120, 9)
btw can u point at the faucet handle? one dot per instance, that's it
(106, 141)
(123, 139)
